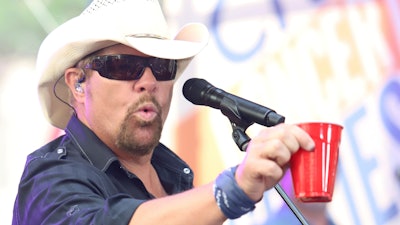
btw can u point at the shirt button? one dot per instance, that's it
(186, 170)
(60, 151)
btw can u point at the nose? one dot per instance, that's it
(147, 82)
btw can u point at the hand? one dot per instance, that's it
(268, 156)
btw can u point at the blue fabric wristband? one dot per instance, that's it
(230, 198)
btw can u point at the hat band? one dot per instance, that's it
(147, 36)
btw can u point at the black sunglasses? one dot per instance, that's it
(131, 67)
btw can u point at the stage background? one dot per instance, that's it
(335, 61)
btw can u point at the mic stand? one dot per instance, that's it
(242, 140)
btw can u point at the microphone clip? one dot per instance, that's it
(239, 128)
(240, 137)
(239, 125)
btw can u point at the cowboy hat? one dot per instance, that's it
(139, 24)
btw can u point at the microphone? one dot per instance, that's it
(200, 92)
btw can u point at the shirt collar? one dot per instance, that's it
(95, 151)
(101, 156)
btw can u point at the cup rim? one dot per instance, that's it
(321, 123)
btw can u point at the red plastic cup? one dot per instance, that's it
(314, 172)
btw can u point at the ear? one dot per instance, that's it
(75, 78)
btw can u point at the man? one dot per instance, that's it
(107, 78)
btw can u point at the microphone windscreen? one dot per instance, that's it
(193, 90)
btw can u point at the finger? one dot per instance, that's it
(270, 172)
(259, 176)
(304, 139)
(291, 136)
(276, 151)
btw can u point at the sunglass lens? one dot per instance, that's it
(123, 68)
(163, 69)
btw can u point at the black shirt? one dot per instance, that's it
(77, 179)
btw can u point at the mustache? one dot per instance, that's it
(142, 100)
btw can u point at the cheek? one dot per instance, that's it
(101, 101)
(95, 98)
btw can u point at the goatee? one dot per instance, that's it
(137, 136)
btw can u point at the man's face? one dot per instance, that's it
(127, 115)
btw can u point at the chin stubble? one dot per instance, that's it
(129, 136)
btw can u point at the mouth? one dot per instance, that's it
(147, 111)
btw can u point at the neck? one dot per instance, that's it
(136, 164)
(144, 170)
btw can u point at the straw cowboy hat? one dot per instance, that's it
(139, 24)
